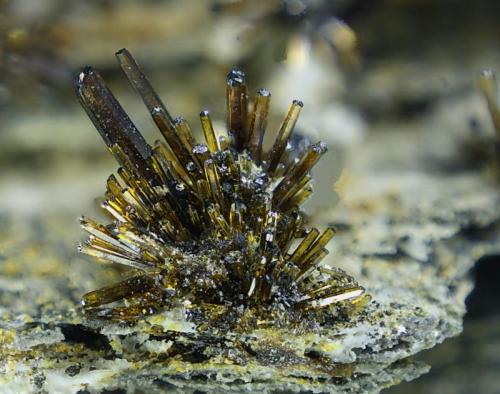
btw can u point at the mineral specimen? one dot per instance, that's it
(404, 233)
(213, 227)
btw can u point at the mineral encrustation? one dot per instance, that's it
(211, 227)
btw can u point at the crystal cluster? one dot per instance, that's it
(214, 227)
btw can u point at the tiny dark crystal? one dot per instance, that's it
(214, 226)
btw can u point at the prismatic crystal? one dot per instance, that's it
(215, 227)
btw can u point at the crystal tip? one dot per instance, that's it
(235, 77)
(179, 120)
(86, 71)
(320, 147)
(123, 51)
(264, 92)
(487, 73)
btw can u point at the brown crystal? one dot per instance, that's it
(237, 108)
(284, 134)
(258, 123)
(208, 131)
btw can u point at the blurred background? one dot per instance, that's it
(393, 72)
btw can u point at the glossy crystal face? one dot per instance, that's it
(214, 226)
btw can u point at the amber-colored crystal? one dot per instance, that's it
(118, 291)
(488, 85)
(284, 134)
(208, 131)
(258, 123)
(208, 223)
(319, 243)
